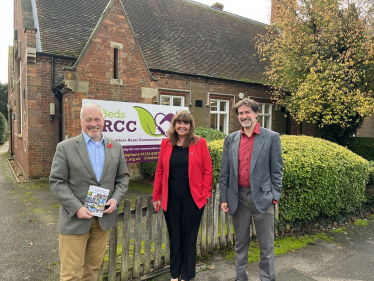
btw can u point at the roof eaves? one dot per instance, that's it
(244, 80)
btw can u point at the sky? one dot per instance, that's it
(258, 10)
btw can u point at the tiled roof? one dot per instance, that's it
(186, 37)
(66, 25)
(174, 35)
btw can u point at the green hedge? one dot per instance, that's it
(209, 134)
(363, 147)
(3, 129)
(320, 178)
(148, 170)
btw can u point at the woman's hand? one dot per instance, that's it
(156, 204)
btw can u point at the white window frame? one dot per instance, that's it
(262, 114)
(219, 112)
(172, 100)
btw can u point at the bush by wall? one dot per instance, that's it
(209, 134)
(3, 129)
(363, 147)
(320, 178)
(148, 170)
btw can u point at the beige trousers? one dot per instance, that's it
(82, 255)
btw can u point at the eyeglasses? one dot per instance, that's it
(183, 111)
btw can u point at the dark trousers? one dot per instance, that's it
(183, 220)
(264, 223)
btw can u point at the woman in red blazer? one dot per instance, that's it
(183, 183)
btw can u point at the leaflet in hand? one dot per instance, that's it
(96, 199)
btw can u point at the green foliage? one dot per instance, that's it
(215, 149)
(361, 222)
(148, 170)
(3, 129)
(321, 60)
(4, 99)
(320, 178)
(209, 134)
(363, 147)
(371, 173)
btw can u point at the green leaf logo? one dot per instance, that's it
(147, 122)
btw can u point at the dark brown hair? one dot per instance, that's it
(186, 117)
(248, 102)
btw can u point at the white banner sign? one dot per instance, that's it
(138, 127)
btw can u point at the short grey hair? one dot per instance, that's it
(90, 105)
(248, 102)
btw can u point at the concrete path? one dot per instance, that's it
(28, 232)
(29, 243)
(350, 260)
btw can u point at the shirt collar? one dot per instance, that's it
(256, 130)
(87, 138)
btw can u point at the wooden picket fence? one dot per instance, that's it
(144, 240)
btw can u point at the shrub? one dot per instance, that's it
(363, 147)
(209, 134)
(148, 170)
(3, 129)
(371, 173)
(320, 178)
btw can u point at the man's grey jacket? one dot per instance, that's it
(266, 171)
(72, 174)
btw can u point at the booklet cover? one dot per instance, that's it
(96, 199)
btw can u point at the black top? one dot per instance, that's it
(179, 185)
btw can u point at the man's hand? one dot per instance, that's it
(112, 203)
(84, 213)
(224, 207)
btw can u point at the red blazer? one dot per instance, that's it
(200, 173)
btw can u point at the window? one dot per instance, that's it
(264, 117)
(172, 100)
(219, 112)
(115, 64)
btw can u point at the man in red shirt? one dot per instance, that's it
(250, 184)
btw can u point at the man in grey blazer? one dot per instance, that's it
(79, 162)
(250, 184)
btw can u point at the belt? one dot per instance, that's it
(246, 187)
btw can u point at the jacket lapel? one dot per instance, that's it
(82, 150)
(257, 146)
(235, 152)
(107, 156)
(191, 156)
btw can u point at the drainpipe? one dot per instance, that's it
(57, 93)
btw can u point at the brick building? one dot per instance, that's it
(170, 52)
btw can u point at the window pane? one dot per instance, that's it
(259, 120)
(267, 122)
(213, 121)
(222, 106)
(213, 105)
(267, 108)
(165, 100)
(177, 101)
(222, 123)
